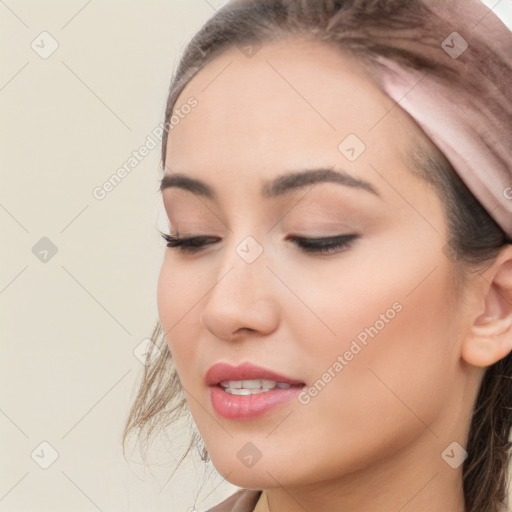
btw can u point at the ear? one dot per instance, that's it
(489, 338)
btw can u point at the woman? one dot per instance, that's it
(337, 292)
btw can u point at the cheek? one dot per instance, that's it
(177, 296)
(394, 355)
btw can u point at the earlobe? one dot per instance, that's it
(489, 338)
(485, 349)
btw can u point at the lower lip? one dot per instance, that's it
(248, 407)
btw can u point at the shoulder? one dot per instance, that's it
(243, 500)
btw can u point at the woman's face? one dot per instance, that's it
(371, 324)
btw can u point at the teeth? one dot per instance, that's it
(231, 384)
(251, 387)
(254, 384)
(243, 391)
(249, 384)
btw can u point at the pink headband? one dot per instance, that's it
(472, 129)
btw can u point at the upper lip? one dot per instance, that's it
(245, 371)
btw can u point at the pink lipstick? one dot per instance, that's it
(247, 391)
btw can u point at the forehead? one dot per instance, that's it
(288, 105)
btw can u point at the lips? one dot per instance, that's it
(247, 392)
(246, 371)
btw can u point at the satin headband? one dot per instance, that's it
(472, 126)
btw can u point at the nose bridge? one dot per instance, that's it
(246, 256)
(242, 297)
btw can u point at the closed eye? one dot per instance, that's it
(325, 245)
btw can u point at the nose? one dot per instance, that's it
(243, 300)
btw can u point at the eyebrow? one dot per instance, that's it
(276, 187)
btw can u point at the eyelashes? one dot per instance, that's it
(326, 245)
(187, 244)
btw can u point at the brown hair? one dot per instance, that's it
(407, 32)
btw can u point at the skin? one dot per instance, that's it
(372, 439)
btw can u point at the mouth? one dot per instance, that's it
(247, 391)
(247, 376)
(254, 386)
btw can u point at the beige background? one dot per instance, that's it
(70, 323)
